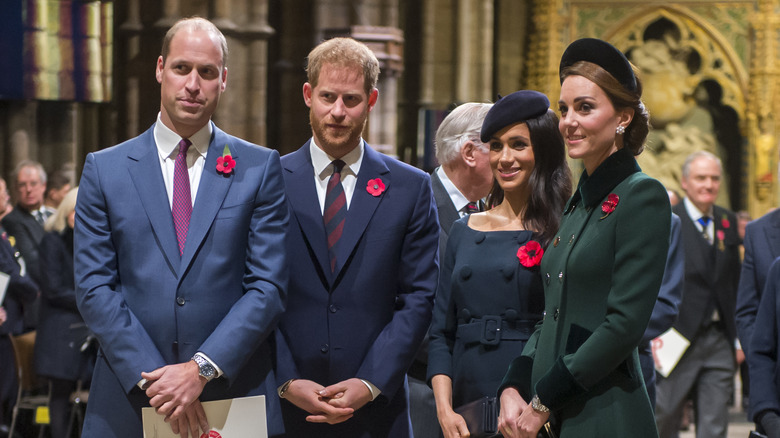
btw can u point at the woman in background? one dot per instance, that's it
(490, 293)
(62, 334)
(603, 270)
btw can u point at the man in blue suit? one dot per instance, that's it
(363, 237)
(180, 262)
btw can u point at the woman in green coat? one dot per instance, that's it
(602, 272)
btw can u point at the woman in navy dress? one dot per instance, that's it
(490, 292)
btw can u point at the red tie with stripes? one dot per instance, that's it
(182, 199)
(335, 211)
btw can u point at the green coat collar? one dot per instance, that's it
(592, 189)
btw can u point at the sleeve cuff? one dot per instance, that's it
(374, 390)
(558, 386)
(518, 376)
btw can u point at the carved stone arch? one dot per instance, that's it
(696, 89)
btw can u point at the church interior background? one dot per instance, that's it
(78, 75)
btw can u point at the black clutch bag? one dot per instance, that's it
(481, 417)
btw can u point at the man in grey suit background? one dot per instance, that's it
(459, 184)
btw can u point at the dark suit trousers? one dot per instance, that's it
(707, 368)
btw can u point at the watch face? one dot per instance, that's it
(207, 371)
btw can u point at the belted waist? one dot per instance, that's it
(492, 329)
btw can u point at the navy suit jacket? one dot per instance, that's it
(149, 306)
(21, 289)
(764, 347)
(762, 246)
(366, 319)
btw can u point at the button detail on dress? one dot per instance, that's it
(479, 238)
(180, 301)
(332, 308)
(324, 348)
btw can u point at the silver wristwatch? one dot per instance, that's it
(205, 368)
(537, 405)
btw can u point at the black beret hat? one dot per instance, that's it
(602, 54)
(512, 108)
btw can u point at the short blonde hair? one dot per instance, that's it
(59, 220)
(343, 52)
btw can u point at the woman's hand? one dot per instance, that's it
(512, 406)
(530, 422)
(452, 424)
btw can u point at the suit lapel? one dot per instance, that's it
(305, 203)
(446, 209)
(363, 205)
(772, 233)
(212, 190)
(144, 169)
(698, 251)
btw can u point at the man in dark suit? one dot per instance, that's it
(21, 290)
(459, 184)
(363, 239)
(180, 262)
(762, 247)
(706, 316)
(24, 225)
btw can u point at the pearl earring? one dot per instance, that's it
(620, 130)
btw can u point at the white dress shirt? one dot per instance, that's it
(168, 148)
(695, 215)
(320, 160)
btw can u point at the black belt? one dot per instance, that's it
(492, 329)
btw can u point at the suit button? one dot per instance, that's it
(180, 301)
(555, 315)
(324, 348)
(332, 308)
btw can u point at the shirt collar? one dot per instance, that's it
(592, 189)
(693, 212)
(168, 141)
(320, 160)
(458, 200)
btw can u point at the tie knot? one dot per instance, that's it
(471, 207)
(184, 145)
(338, 165)
(704, 221)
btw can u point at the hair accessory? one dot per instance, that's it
(513, 108)
(620, 130)
(603, 54)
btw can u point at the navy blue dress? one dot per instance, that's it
(482, 287)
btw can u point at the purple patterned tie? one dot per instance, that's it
(335, 211)
(182, 199)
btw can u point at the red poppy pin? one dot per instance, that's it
(530, 254)
(375, 186)
(609, 205)
(725, 222)
(721, 235)
(225, 163)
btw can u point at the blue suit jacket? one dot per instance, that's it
(762, 246)
(367, 319)
(764, 347)
(149, 306)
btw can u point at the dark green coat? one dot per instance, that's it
(601, 276)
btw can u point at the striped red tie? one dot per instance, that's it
(182, 198)
(335, 211)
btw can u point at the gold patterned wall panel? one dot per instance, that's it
(694, 57)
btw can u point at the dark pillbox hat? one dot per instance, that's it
(516, 107)
(602, 54)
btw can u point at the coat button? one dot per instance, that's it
(324, 348)
(555, 315)
(547, 277)
(556, 241)
(560, 277)
(332, 308)
(571, 239)
(180, 301)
